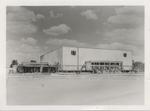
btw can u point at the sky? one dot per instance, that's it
(34, 30)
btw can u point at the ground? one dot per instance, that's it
(75, 89)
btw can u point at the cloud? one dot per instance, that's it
(27, 45)
(130, 20)
(53, 15)
(29, 40)
(40, 16)
(57, 30)
(14, 27)
(117, 45)
(130, 10)
(127, 31)
(89, 14)
(16, 13)
(126, 36)
(130, 17)
(20, 20)
(27, 48)
(66, 42)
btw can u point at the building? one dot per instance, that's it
(73, 58)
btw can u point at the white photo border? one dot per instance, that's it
(5, 3)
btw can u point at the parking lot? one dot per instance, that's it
(75, 89)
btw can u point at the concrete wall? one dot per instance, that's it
(53, 57)
(71, 62)
(86, 54)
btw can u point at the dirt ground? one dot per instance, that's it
(75, 89)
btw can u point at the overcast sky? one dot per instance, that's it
(32, 31)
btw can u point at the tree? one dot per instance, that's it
(138, 66)
(14, 62)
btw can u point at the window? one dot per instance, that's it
(117, 64)
(73, 52)
(101, 63)
(106, 63)
(112, 63)
(124, 54)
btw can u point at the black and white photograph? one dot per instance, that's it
(75, 55)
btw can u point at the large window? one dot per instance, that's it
(73, 52)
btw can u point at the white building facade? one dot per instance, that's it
(73, 58)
